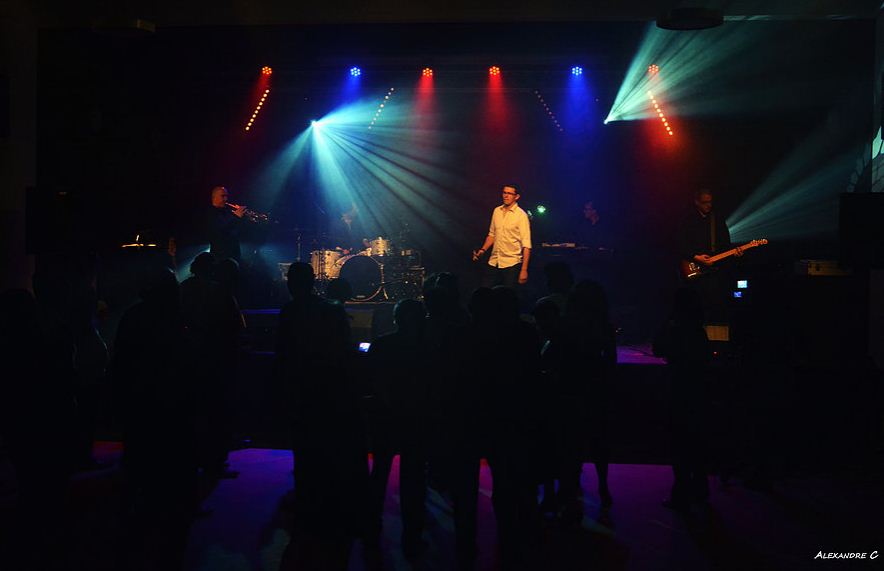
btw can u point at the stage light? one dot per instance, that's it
(355, 72)
(694, 71)
(427, 72)
(494, 70)
(660, 113)
(552, 116)
(380, 109)
(257, 109)
(576, 70)
(541, 209)
(266, 70)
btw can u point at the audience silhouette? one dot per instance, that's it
(214, 322)
(155, 378)
(684, 345)
(399, 421)
(315, 364)
(37, 408)
(451, 386)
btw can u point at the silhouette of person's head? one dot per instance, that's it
(409, 316)
(481, 305)
(339, 290)
(589, 301)
(559, 278)
(448, 282)
(546, 316)
(300, 279)
(203, 266)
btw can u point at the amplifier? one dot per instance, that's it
(820, 268)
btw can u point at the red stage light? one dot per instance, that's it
(660, 112)
(266, 70)
(260, 102)
(494, 70)
(653, 69)
(427, 72)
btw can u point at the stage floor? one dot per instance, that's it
(639, 354)
(741, 530)
(244, 527)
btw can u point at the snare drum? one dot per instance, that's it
(324, 263)
(381, 246)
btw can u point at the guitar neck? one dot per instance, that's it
(730, 252)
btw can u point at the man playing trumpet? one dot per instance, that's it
(224, 223)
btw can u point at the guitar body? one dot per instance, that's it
(691, 269)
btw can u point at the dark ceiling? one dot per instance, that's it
(165, 13)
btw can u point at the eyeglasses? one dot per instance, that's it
(509, 193)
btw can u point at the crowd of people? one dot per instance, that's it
(450, 386)
(453, 384)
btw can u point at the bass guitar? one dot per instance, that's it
(691, 269)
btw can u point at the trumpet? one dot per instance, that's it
(251, 215)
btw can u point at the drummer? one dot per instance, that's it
(349, 232)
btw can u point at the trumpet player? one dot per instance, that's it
(223, 225)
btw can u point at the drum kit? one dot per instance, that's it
(381, 272)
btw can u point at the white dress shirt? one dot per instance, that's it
(512, 232)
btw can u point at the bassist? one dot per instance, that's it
(704, 234)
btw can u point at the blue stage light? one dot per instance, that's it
(576, 70)
(355, 71)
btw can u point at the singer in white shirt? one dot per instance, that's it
(509, 238)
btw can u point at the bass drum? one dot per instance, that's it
(364, 274)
